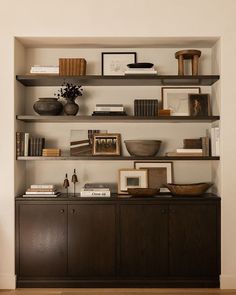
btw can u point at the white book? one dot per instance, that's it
(26, 147)
(128, 72)
(213, 147)
(95, 194)
(217, 141)
(41, 196)
(42, 186)
(44, 69)
(109, 109)
(95, 189)
(141, 69)
(40, 193)
(189, 150)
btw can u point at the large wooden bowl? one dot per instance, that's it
(143, 148)
(193, 189)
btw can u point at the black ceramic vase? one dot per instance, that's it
(71, 108)
(48, 106)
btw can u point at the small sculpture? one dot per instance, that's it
(66, 184)
(191, 54)
(74, 179)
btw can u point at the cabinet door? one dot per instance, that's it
(143, 240)
(91, 240)
(193, 240)
(42, 240)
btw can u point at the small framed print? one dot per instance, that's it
(115, 63)
(176, 99)
(159, 174)
(107, 144)
(199, 105)
(132, 178)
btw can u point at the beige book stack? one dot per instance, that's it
(51, 152)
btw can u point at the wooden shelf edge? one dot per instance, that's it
(119, 119)
(117, 158)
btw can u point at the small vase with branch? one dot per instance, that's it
(70, 92)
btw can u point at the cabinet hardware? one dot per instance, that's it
(62, 211)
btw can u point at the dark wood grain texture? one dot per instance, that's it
(130, 80)
(193, 240)
(143, 240)
(91, 240)
(42, 240)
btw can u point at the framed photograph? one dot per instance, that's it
(132, 178)
(115, 63)
(107, 144)
(159, 173)
(176, 99)
(199, 105)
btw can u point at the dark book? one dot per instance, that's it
(22, 143)
(18, 144)
(192, 143)
(109, 114)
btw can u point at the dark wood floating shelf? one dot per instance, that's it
(119, 119)
(116, 158)
(130, 80)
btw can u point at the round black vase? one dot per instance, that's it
(48, 106)
(71, 108)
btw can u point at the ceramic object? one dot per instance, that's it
(48, 106)
(143, 148)
(143, 192)
(192, 189)
(71, 108)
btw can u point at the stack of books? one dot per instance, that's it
(95, 190)
(146, 107)
(44, 69)
(51, 152)
(141, 71)
(28, 146)
(186, 153)
(41, 190)
(109, 110)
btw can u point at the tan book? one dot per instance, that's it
(40, 190)
(175, 154)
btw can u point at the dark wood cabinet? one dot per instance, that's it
(143, 240)
(193, 240)
(42, 240)
(91, 240)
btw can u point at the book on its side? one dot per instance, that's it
(189, 151)
(95, 194)
(40, 190)
(49, 186)
(175, 154)
(41, 193)
(95, 189)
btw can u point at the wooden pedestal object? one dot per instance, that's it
(193, 55)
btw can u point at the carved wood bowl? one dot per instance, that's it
(143, 192)
(193, 189)
(143, 148)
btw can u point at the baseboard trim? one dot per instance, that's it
(228, 282)
(7, 281)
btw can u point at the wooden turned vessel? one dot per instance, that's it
(188, 54)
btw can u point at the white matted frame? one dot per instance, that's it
(176, 99)
(158, 165)
(115, 63)
(132, 178)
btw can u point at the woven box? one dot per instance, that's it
(72, 66)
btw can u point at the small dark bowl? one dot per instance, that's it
(143, 192)
(144, 65)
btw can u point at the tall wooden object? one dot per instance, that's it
(193, 55)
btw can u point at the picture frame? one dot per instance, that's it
(106, 144)
(159, 173)
(132, 178)
(177, 100)
(115, 63)
(199, 105)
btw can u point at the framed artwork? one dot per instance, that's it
(176, 99)
(132, 178)
(199, 105)
(81, 141)
(107, 144)
(159, 173)
(115, 63)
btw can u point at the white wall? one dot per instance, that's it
(118, 18)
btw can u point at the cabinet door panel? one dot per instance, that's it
(92, 240)
(193, 240)
(143, 240)
(42, 240)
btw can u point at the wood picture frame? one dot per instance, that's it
(177, 100)
(132, 178)
(107, 144)
(115, 63)
(159, 173)
(199, 105)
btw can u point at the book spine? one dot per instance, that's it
(83, 64)
(22, 143)
(217, 141)
(18, 144)
(26, 147)
(204, 147)
(213, 147)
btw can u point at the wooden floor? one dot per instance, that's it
(118, 292)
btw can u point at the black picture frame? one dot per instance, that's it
(199, 105)
(117, 72)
